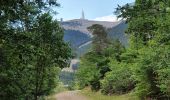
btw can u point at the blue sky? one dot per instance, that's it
(93, 9)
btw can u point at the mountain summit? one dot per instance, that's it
(82, 24)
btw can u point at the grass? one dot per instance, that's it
(98, 96)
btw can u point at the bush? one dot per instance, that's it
(119, 80)
(153, 74)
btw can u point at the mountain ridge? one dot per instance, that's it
(82, 24)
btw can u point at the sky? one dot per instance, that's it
(100, 10)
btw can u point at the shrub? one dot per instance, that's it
(119, 80)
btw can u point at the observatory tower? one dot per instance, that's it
(82, 16)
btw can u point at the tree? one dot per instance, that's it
(148, 27)
(32, 49)
(100, 39)
(88, 71)
(95, 65)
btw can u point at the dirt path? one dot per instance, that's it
(70, 95)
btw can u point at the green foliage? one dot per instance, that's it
(100, 39)
(144, 66)
(119, 80)
(152, 73)
(88, 71)
(95, 70)
(148, 22)
(94, 64)
(31, 48)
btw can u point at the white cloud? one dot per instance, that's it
(110, 18)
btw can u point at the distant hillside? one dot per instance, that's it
(78, 36)
(118, 32)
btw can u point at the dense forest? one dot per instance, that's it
(144, 66)
(33, 52)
